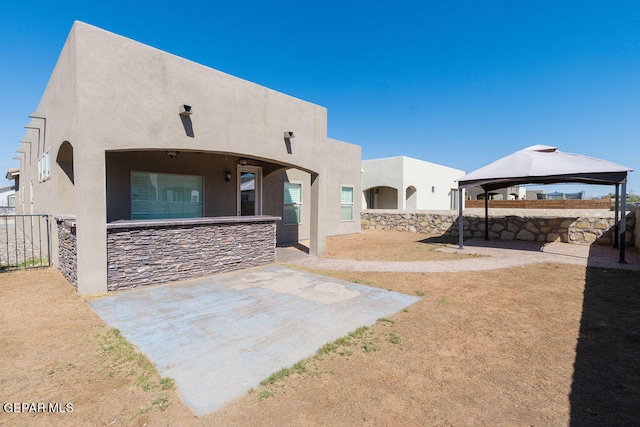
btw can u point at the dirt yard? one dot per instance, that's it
(545, 344)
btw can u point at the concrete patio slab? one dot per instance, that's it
(221, 335)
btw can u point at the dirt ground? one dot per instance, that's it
(380, 245)
(546, 344)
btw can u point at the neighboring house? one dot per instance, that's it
(7, 200)
(541, 195)
(8, 196)
(408, 184)
(536, 195)
(158, 168)
(562, 196)
(515, 192)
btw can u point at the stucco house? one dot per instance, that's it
(7, 199)
(515, 192)
(408, 184)
(157, 168)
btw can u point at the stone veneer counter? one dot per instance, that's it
(145, 252)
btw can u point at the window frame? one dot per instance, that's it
(350, 204)
(44, 167)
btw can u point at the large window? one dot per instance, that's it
(159, 195)
(346, 203)
(292, 203)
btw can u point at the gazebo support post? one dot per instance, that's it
(623, 222)
(617, 217)
(460, 219)
(486, 214)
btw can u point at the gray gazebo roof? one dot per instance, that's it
(542, 164)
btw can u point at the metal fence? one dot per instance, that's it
(25, 242)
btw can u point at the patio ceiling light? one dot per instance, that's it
(243, 162)
(172, 154)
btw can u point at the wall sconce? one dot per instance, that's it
(172, 154)
(288, 135)
(186, 110)
(227, 176)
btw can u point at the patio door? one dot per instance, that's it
(249, 190)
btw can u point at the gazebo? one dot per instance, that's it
(543, 164)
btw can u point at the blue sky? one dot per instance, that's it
(460, 83)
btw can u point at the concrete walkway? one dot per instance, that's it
(494, 254)
(221, 335)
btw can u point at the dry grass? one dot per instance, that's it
(543, 344)
(379, 245)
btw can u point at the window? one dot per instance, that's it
(44, 167)
(292, 203)
(11, 200)
(159, 195)
(346, 203)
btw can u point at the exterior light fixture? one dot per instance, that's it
(243, 162)
(186, 110)
(172, 154)
(227, 176)
(288, 134)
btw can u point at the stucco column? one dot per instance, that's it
(401, 203)
(317, 232)
(91, 220)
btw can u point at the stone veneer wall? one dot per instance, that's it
(145, 255)
(527, 225)
(67, 250)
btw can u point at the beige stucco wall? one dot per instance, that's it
(109, 94)
(58, 106)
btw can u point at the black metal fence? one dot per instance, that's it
(25, 242)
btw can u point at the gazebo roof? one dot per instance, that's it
(543, 164)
